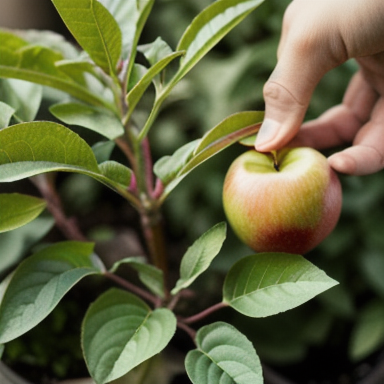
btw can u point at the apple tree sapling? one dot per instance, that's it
(101, 88)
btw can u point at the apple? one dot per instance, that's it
(288, 201)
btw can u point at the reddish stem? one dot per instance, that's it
(148, 164)
(68, 226)
(133, 288)
(153, 231)
(191, 332)
(158, 190)
(205, 313)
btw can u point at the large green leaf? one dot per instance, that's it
(223, 356)
(29, 149)
(149, 275)
(40, 282)
(17, 210)
(120, 331)
(199, 256)
(95, 29)
(44, 142)
(97, 119)
(268, 283)
(37, 64)
(208, 28)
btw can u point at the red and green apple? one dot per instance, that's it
(286, 202)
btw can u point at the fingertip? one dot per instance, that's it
(343, 163)
(358, 160)
(284, 114)
(266, 135)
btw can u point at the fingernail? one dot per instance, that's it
(267, 133)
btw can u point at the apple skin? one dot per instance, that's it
(292, 209)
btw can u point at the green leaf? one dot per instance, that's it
(17, 210)
(77, 69)
(97, 119)
(95, 29)
(15, 244)
(143, 9)
(6, 113)
(156, 51)
(223, 355)
(43, 142)
(10, 41)
(49, 39)
(150, 276)
(103, 150)
(120, 331)
(29, 149)
(23, 96)
(226, 133)
(269, 283)
(125, 13)
(116, 172)
(40, 282)
(229, 131)
(208, 28)
(38, 65)
(199, 256)
(167, 167)
(248, 141)
(138, 72)
(368, 332)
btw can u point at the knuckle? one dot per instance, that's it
(277, 93)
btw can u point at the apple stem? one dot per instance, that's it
(275, 163)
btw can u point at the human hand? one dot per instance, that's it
(317, 36)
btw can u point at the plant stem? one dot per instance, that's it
(155, 110)
(205, 313)
(132, 287)
(154, 237)
(125, 148)
(151, 218)
(68, 226)
(191, 332)
(148, 164)
(275, 162)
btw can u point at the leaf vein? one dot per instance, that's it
(281, 275)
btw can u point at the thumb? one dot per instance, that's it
(308, 49)
(287, 94)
